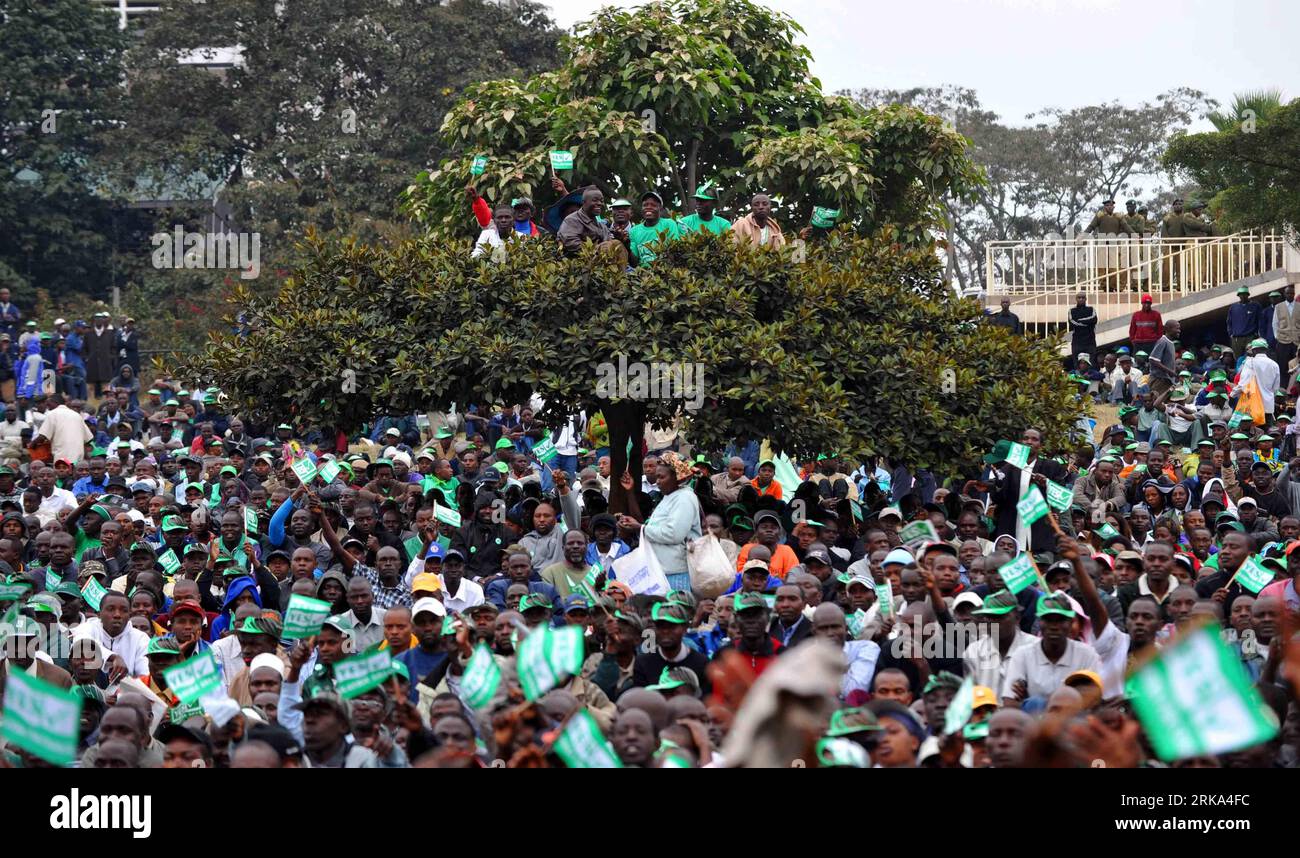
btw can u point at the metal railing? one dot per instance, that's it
(1043, 278)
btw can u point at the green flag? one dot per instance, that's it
(446, 514)
(250, 520)
(855, 622)
(360, 673)
(1059, 497)
(195, 678)
(544, 450)
(41, 718)
(786, 474)
(582, 746)
(329, 471)
(961, 707)
(885, 597)
(1019, 573)
(1253, 575)
(482, 678)
(304, 617)
(546, 657)
(479, 165)
(1106, 531)
(93, 592)
(305, 470)
(918, 534)
(1196, 699)
(588, 582)
(52, 578)
(168, 562)
(561, 160)
(1018, 455)
(824, 218)
(1032, 507)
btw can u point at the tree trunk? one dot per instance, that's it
(626, 422)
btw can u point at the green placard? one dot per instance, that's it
(479, 165)
(885, 597)
(1253, 575)
(824, 218)
(446, 514)
(546, 656)
(360, 673)
(305, 469)
(1196, 699)
(1019, 573)
(961, 707)
(93, 592)
(194, 679)
(52, 578)
(1059, 497)
(304, 617)
(169, 562)
(1032, 507)
(1106, 531)
(855, 622)
(917, 534)
(250, 521)
(41, 718)
(583, 746)
(329, 471)
(544, 450)
(482, 678)
(561, 160)
(1018, 456)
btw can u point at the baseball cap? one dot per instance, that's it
(754, 564)
(846, 722)
(997, 604)
(668, 681)
(817, 552)
(535, 600)
(1083, 675)
(426, 582)
(890, 511)
(188, 606)
(967, 598)
(984, 696)
(163, 646)
(431, 605)
(898, 555)
(576, 602)
(1057, 604)
(280, 739)
(748, 601)
(671, 612)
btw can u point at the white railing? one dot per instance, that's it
(1043, 278)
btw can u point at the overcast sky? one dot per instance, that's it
(1022, 55)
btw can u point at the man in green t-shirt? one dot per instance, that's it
(704, 220)
(651, 229)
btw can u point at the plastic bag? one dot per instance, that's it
(711, 573)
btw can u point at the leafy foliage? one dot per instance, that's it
(859, 349)
(60, 74)
(1253, 170)
(675, 93)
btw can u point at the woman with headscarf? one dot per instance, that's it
(675, 520)
(126, 380)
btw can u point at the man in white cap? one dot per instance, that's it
(1265, 372)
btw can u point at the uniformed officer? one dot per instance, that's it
(1110, 227)
(1173, 231)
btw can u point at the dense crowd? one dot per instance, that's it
(476, 588)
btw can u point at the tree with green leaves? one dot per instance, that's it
(859, 349)
(675, 93)
(61, 70)
(1250, 167)
(332, 106)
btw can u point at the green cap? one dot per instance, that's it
(942, 679)
(339, 622)
(444, 432)
(666, 681)
(164, 646)
(997, 604)
(229, 469)
(846, 722)
(66, 588)
(670, 612)
(977, 732)
(535, 600)
(1057, 604)
(173, 522)
(1258, 343)
(1239, 436)
(503, 444)
(101, 510)
(620, 203)
(748, 601)
(702, 192)
(501, 467)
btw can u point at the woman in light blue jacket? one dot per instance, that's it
(675, 521)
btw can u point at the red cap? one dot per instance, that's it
(191, 606)
(1146, 299)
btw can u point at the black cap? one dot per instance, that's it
(285, 745)
(170, 730)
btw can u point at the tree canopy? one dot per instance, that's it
(675, 93)
(1251, 167)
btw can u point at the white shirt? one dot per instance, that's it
(1112, 648)
(1042, 675)
(366, 635)
(59, 499)
(1264, 370)
(131, 644)
(983, 660)
(862, 657)
(67, 432)
(229, 655)
(468, 595)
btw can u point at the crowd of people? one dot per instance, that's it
(156, 528)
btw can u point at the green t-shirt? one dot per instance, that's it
(83, 543)
(642, 235)
(693, 223)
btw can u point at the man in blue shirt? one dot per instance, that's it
(97, 480)
(1243, 321)
(421, 661)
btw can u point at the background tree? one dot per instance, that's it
(860, 349)
(674, 93)
(1251, 166)
(1049, 175)
(60, 76)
